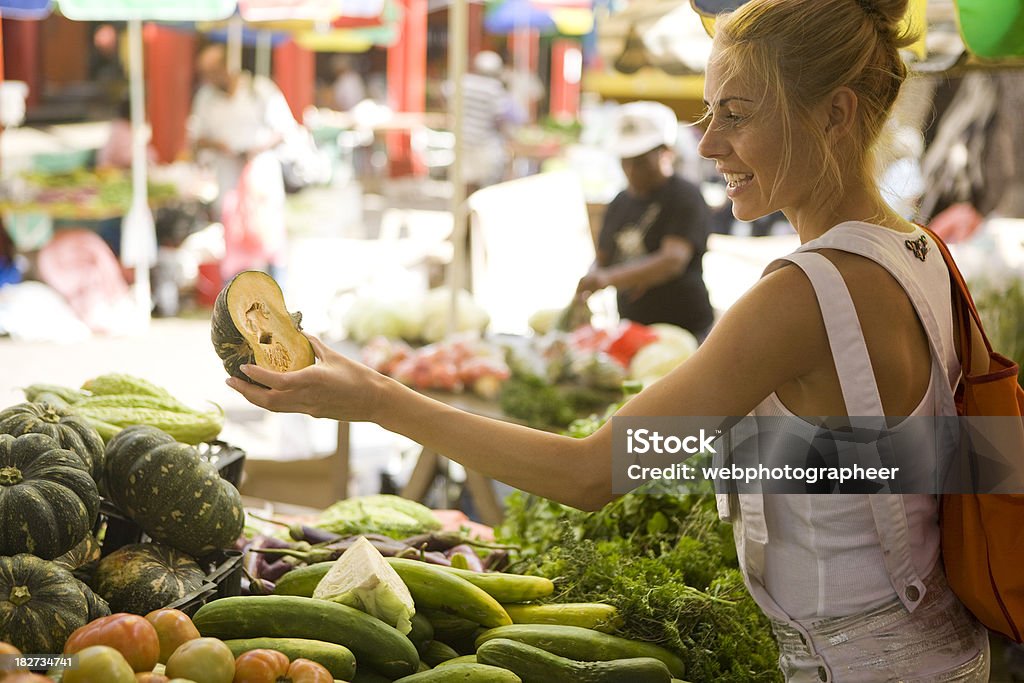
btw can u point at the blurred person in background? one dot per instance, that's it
(488, 113)
(348, 88)
(655, 231)
(237, 121)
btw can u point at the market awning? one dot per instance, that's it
(312, 10)
(25, 9)
(566, 17)
(146, 10)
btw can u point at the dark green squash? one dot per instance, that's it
(142, 577)
(41, 603)
(251, 325)
(169, 490)
(70, 431)
(48, 499)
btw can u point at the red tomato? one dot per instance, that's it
(308, 671)
(131, 635)
(203, 660)
(261, 666)
(173, 627)
(99, 664)
(150, 677)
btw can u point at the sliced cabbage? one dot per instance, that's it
(361, 578)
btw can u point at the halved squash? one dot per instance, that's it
(251, 325)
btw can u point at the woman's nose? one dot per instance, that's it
(711, 145)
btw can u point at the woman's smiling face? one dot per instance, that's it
(766, 168)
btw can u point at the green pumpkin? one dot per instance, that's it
(169, 490)
(251, 325)
(142, 577)
(48, 499)
(67, 429)
(41, 603)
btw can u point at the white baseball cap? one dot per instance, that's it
(488, 63)
(643, 126)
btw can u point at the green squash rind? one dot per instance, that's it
(58, 605)
(229, 343)
(142, 577)
(55, 503)
(62, 425)
(172, 493)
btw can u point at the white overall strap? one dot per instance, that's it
(845, 336)
(860, 394)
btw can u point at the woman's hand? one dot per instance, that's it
(335, 387)
(594, 281)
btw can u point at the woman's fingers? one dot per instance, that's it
(319, 348)
(269, 378)
(252, 393)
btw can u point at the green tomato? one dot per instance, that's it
(100, 664)
(203, 660)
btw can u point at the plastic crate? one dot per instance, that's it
(229, 460)
(224, 580)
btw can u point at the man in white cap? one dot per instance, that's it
(654, 233)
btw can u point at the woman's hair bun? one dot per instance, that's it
(887, 13)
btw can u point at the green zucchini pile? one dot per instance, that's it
(468, 626)
(56, 472)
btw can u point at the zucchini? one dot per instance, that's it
(593, 615)
(436, 652)
(365, 675)
(535, 665)
(302, 581)
(382, 647)
(434, 588)
(582, 644)
(337, 659)
(466, 673)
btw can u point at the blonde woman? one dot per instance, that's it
(797, 93)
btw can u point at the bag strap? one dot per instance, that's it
(965, 307)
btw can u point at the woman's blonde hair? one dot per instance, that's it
(802, 50)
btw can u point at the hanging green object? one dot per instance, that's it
(992, 29)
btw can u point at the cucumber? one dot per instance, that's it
(464, 673)
(535, 665)
(337, 659)
(593, 615)
(463, 659)
(582, 644)
(437, 652)
(502, 587)
(302, 581)
(422, 631)
(373, 642)
(434, 588)
(506, 587)
(364, 675)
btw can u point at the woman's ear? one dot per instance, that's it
(842, 111)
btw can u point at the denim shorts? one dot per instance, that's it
(939, 642)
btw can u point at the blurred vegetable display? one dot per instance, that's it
(82, 194)
(1002, 314)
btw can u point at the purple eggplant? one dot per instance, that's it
(471, 560)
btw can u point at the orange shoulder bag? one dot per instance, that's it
(983, 534)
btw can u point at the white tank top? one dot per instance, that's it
(808, 556)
